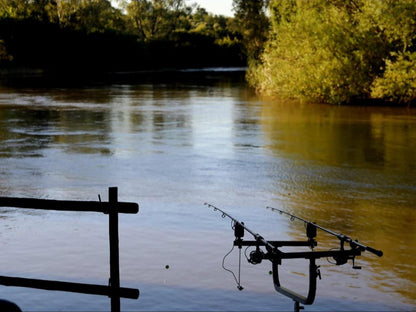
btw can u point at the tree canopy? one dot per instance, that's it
(135, 35)
(252, 17)
(336, 51)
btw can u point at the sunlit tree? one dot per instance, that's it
(337, 51)
(98, 16)
(254, 24)
(15, 8)
(155, 19)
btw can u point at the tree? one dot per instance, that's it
(88, 15)
(92, 34)
(336, 51)
(66, 12)
(14, 8)
(5, 57)
(398, 80)
(254, 24)
(155, 19)
(98, 16)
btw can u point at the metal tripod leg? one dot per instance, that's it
(298, 307)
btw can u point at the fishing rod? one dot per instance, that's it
(240, 227)
(341, 237)
(275, 255)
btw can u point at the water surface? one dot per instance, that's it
(173, 144)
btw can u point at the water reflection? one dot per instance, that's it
(352, 169)
(173, 145)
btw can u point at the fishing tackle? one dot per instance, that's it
(275, 256)
(343, 238)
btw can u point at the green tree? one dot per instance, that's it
(397, 21)
(88, 15)
(336, 51)
(15, 8)
(5, 57)
(66, 12)
(155, 19)
(98, 16)
(93, 34)
(41, 10)
(254, 24)
(215, 26)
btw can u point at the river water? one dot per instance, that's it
(172, 142)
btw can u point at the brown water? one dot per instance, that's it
(171, 146)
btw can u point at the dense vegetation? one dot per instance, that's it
(338, 51)
(333, 51)
(254, 25)
(93, 35)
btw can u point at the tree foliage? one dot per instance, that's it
(4, 55)
(254, 23)
(156, 19)
(339, 50)
(84, 32)
(88, 15)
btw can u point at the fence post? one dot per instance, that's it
(114, 249)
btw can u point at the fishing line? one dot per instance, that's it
(239, 268)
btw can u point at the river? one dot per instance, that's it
(173, 141)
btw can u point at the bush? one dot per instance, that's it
(339, 51)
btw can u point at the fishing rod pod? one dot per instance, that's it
(343, 238)
(275, 256)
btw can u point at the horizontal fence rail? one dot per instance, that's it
(89, 289)
(68, 205)
(113, 207)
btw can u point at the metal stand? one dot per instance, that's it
(275, 255)
(298, 307)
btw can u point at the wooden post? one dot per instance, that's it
(113, 207)
(114, 250)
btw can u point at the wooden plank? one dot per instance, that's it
(68, 205)
(89, 289)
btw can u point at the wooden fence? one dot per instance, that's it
(113, 207)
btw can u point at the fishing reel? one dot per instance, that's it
(342, 257)
(256, 256)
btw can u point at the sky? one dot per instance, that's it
(219, 7)
(223, 7)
